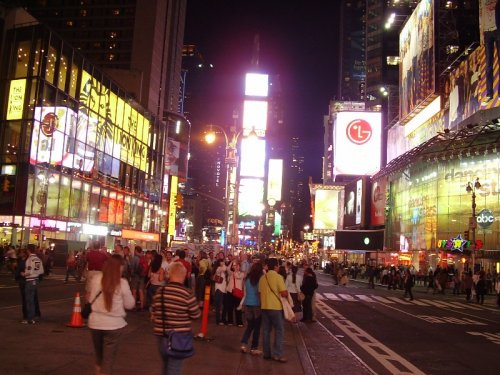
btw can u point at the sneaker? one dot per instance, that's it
(280, 359)
(221, 324)
(230, 324)
(244, 349)
(255, 352)
(240, 325)
(24, 321)
(31, 322)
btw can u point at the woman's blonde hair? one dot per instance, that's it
(111, 275)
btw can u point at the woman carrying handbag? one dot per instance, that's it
(111, 295)
(174, 307)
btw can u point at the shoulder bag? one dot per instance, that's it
(87, 308)
(237, 293)
(287, 307)
(175, 344)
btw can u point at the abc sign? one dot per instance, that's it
(485, 218)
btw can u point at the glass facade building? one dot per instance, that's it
(79, 158)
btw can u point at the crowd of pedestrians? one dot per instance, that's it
(474, 286)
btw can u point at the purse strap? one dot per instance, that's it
(98, 294)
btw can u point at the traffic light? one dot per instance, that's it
(6, 185)
(466, 235)
(179, 200)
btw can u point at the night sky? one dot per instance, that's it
(298, 41)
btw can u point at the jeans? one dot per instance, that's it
(30, 294)
(105, 347)
(273, 319)
(71, 271)
(219, 301)
(491, 40)
(253, 315)
(171, 366)
(307, 307)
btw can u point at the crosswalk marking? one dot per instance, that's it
(365, 298)
(332, 296)
(390, 300)
(347, 297)
(382, 299)
(399, 300)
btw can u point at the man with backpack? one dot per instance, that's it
(140, 268)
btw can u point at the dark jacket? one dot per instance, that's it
(309, 285)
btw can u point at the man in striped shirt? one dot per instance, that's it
(174, 307)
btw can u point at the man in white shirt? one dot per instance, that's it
(32, 272)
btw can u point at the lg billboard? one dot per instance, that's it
(357, 143)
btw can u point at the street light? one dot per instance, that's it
(41, 198)
(231, 161)
(471, 188)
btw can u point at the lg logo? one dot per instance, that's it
(485, 218)
(359, 131)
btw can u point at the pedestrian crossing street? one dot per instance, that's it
(392, 300)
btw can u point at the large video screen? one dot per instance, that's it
(275, 179)
(357, 143)
(416, 51)
(256, 84)
(253, 157)
(326, 209)
(250, 199)
(255, 117)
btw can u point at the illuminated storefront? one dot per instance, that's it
(76, 150)
(429, 208)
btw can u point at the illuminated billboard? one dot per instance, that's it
(121, 131)
(274, 179)
(357, 143)
(326, 209)
(354, 205)
(250, 201)
(15, 105)
(417, 74)
(255, 117)
(256, 84)
(378, 201)
(59, 138)
(253, 157)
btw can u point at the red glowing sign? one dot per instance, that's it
(359, 131)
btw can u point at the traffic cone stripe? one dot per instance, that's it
(76, 317)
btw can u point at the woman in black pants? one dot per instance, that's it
(309, 285)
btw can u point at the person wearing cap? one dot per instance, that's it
(32, 271)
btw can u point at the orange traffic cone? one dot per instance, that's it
(76, 318)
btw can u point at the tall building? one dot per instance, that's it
(138, 43)
(297, 188)
(352, 68)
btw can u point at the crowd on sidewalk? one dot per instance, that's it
(247, 292)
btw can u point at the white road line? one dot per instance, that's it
(318, 296)
(418, 302)
(435, 303)
(382, 299)
(347, 297)
(384, 355)
(332, 296)
(365, 298)
(399, 300)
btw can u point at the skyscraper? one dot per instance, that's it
(138, 43)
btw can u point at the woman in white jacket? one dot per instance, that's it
(293, 283)
(110, 295)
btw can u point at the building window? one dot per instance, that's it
(393, 60)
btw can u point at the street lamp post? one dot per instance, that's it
(41, 198)
(471, 188)
(231, 161)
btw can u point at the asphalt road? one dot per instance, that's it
(433, 334)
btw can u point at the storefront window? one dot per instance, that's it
(23, 57)
(11, 139)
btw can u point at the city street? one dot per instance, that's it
(433, 334)
(359, 331)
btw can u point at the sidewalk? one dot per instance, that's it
(52, 348)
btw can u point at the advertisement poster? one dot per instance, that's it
(416, 50)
